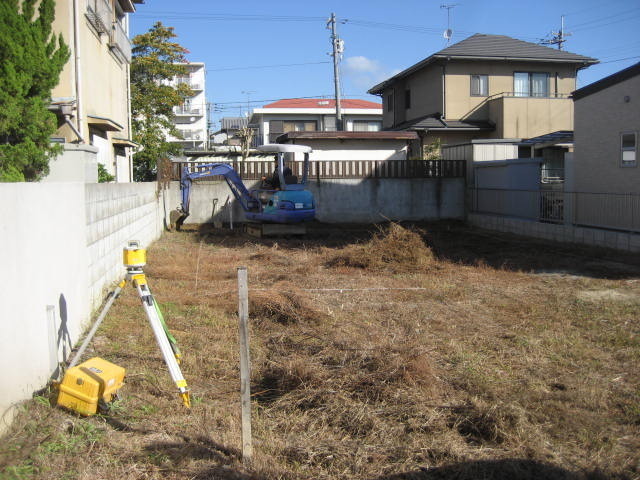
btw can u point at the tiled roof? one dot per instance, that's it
(493, 47)
(606, 82)
(501, 46)
(323, 103)
(434, 122)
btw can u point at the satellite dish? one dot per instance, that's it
(447, 34)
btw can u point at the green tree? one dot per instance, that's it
(154, 63)
(31, 59)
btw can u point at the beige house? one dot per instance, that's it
(486, 86)
(606, 134)
(92, 99)
(604, 173)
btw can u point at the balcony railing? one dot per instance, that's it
(520, 95)
(119, 42)
(187, 111)
(189, 83)
(99, 15)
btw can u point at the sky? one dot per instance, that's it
(259, 51)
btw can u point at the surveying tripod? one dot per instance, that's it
(134, 258)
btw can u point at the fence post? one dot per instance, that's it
(245, 366)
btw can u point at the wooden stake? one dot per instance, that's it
(245, 365)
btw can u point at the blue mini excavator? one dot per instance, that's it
(283, 200)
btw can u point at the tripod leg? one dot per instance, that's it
(112, 298)
(149, 305)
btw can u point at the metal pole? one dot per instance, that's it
(92, 332)
(245, 366)
(336, 70)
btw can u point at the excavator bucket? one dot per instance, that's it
(176, 219)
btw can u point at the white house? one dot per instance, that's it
(314, 115)
(191, 117)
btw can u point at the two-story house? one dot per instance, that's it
(314, 115)
(486, 86)
(92, 99)
(191, 117)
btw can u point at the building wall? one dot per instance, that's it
(353, 149)
(58, 260)
(342, 200)
(527, 117)
(461, 105)
(104, 85)
(600, 118)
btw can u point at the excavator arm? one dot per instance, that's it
(232, 178)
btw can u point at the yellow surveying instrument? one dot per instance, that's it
(85, 387)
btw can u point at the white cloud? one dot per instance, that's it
(365, 72)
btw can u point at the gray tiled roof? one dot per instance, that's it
(501, 46)
(434, 122)
(493, 47)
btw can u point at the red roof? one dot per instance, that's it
(322, 103)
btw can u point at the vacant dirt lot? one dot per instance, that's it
(389, 353)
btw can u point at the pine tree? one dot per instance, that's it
(31, 59)
(154, 63)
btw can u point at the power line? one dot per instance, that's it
(604, 18)
(619, 60)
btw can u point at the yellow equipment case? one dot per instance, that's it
(84, 386)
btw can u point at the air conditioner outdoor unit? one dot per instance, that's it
(197, 137)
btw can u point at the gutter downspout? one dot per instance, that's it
(444, 90)
(67, 120)
(78, 76)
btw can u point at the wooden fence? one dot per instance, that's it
(325, 169)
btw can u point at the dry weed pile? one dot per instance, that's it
(394, 248)
(486, 369)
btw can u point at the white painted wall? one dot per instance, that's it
(60, 250)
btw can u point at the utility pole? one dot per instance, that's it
(338, 47)
(558, 37)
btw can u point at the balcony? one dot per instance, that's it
(192, 85)
(99, 15)
(119, 42)
(527, 117)
(197, 112)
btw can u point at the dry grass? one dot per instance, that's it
(506, 359)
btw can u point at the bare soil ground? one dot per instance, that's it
(427, 352)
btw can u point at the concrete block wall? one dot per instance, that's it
(343, 200)
(627, 242)
(115, 214)
(60, 249)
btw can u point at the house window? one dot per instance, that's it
(629, 149)
(479, 85)
(278, 127)
(390, 102)
(407, 98)
(531, 84)
(366, 126)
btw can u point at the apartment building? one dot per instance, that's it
(92, 98)
(191, 117)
